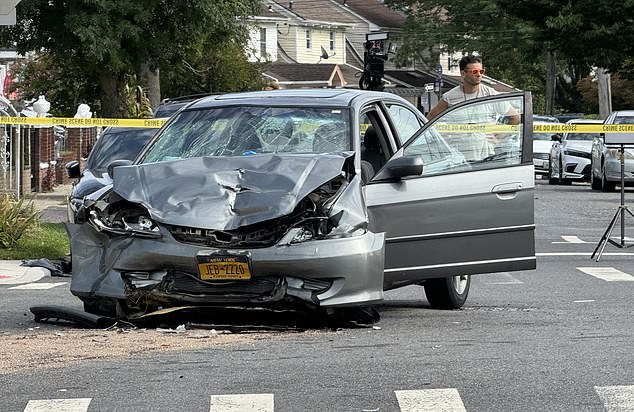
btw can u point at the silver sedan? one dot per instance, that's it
(606, 163)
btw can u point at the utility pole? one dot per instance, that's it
(605, 93)
(550, 83)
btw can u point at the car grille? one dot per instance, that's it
(181, 282)
(541, 156)
(253, 236)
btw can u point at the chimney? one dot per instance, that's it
(290, 4)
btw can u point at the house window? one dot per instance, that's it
(263, 42)
(332, 40)
(308, 39)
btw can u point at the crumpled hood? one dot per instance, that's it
(224, 193)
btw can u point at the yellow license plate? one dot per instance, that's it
(225, 268)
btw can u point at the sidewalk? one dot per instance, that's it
(52, 206)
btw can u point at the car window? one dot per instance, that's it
(242, 131)
(624, 120)
(117, 144)
(405, 122)
(472, 137)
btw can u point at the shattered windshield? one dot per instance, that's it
(244, 131)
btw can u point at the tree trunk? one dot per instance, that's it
(550, 83)
(113, 97)
(152, 80)
(605, 93)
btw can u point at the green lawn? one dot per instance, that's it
(47, 240)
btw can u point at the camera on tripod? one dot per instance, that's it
(374, 58)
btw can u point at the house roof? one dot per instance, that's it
(269, 12)
(297, 74)
(316, 11)
(376, 12)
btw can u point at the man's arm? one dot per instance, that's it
(442, 105)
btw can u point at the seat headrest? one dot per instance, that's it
(371, 139)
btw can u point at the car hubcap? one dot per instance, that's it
(460, 283)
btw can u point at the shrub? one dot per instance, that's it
(16, 218)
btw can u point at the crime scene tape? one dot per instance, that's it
(69, 121)
(441, 127)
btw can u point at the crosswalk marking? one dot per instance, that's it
(504, 279)
(616, 398)
(58, 405)
(38, 286)
(608, 274)
(571, 239)
(260, 402)
(430, 400)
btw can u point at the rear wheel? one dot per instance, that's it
(606, 185)
(595, 182)
(448, 293)
(551, 180)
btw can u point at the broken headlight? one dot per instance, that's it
(127, 219)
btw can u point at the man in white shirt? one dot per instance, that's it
(471, 71)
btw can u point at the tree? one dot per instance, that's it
(113, 39)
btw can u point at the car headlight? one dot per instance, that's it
(134, 221)
(577, 153)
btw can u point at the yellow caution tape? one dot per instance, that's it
(441, 127)
(69, 121)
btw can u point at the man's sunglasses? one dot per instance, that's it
(475, 71)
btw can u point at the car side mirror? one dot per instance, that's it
(72, 169)
(117, 163)
(556, 138)
(401, 167)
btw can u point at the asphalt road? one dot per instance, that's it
(560, 338)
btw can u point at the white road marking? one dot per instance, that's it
(39, 286)
(13, 274)
(583, 301)
(616, 398)
(571, 239)
(588, 254)
(58, 405)
(430, 400)
(259, 402)
(608, 274)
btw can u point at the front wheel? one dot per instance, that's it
(551, 180)
(595, 182)
(606, 185)
(448, 293)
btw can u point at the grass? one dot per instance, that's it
(46, 240)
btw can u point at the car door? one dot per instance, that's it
(471, 210)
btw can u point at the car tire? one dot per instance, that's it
(606, 186)
(551, 180)
(595, 182)
(562, 180)
(447, 293)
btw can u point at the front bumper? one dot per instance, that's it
(575, 168)
(163, 272)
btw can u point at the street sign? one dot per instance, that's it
(439, 69)
(429, 87)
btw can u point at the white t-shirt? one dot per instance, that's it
(457, 94)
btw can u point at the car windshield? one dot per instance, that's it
(582, 136)
(624, 120)
(542, 136)
(242, 131)
(117, 143)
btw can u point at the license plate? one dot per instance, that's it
(224, 266)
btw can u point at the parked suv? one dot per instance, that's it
(606, 165)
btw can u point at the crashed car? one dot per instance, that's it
(318, 197)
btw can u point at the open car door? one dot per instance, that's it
(471, 210)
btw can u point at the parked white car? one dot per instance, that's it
(606, 164)
(570, 155)
(542, 143)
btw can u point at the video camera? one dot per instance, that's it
(374, 58)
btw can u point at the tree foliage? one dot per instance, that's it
(110, 40)
(513, 37)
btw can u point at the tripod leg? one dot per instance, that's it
(606, 236)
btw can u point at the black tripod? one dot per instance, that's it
(620, 211)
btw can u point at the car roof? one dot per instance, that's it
(294, 97)
(591, 121)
